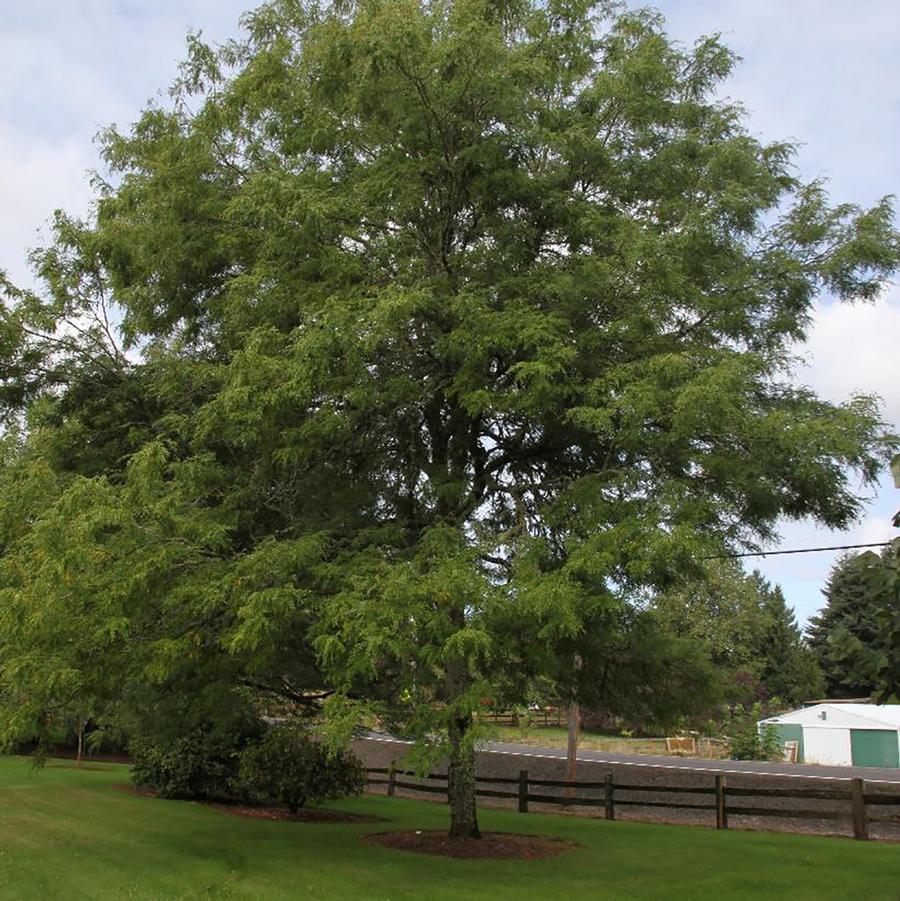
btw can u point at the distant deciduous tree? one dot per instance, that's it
(626, 666)
(752, 636)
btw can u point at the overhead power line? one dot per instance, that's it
(802, 550)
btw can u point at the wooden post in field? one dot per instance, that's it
(574, 731)
(721, 808)
(610, 805)
(523, 791)
(572, 747)
(858, 801)
(392, 780)
(82, 722)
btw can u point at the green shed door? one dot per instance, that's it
(791, 732)
(874, 747)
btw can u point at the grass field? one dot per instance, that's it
(558, 736)
(72, 833)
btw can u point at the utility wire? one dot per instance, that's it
(802, 550)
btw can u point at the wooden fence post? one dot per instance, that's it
(610, 804)
(523, 791)
(721, 807)
(392, 780)
(858, 801)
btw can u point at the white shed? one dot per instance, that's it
(843, 734)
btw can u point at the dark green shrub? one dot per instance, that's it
(748, 742)
(198, 765)
(291, 767)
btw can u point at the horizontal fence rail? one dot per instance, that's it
(609, 796)
(544, 716)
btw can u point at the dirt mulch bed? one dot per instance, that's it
(66, 754)
(263, 812)
(134, 790)
(304, 815)
(491, 845)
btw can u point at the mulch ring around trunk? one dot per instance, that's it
(264, 812)
(491, 845)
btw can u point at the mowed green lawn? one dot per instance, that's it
(70, 833)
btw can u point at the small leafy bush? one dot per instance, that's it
(291, 767)
(748, 742)
(198, 765)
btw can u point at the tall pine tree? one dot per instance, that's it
(851, 637)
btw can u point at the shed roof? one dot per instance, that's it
(847, 716)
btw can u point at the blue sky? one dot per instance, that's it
(825, 73)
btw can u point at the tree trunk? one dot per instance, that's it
(461, 763)
(461, 781)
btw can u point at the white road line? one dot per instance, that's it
(689, 769)
(660, 766)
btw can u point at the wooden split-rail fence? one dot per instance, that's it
(863, 804)
(543, 716)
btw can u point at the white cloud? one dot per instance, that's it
(35, 178)
(856, 348)
(852, 348)
(803, 576)
(825, 73)
(68, 70)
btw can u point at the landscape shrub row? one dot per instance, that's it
(287, 765)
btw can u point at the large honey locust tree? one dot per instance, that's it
(452, 323)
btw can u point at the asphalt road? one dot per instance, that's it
(700, 764)
(754, 767)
